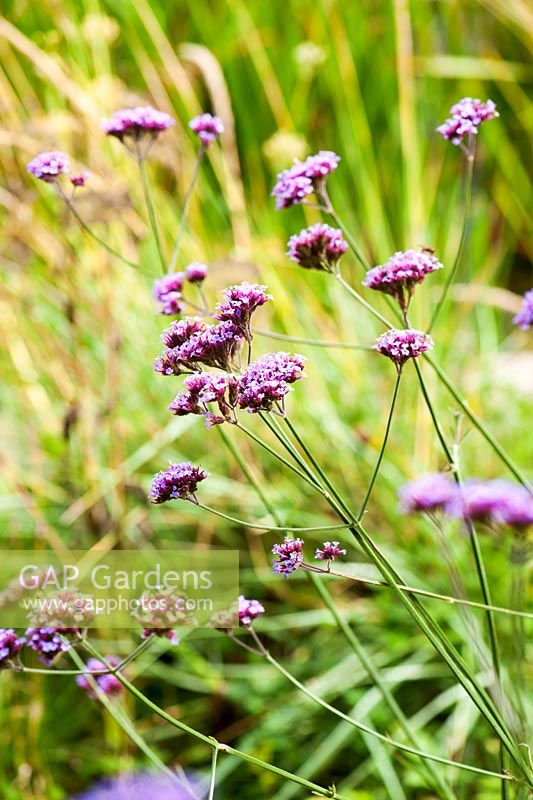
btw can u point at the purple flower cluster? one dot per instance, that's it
(289, 556)
(192, 342)
(207, 128)
(109, 684)
(329, 551)
(265, 381)
(142, 786)
(495, 502)
(249, 610)
(402, 272)
(196, 272)
(524, 318)
(10, 646)
(168, 289)
(240, 302)
(204, 388)
(81, 179)
(178, 481)
(136, 122)
(49, 642)
(304, 178)
(48, 167)
(401, 345)
(318, 247)
(465, 118)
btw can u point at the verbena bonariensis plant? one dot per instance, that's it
(224, 383)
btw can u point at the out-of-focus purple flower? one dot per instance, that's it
(289, 556)
(302, 179)
(81, 179)
(172, 305)
(204, 388)
(10, 646)
(161, 610)
(49, 166)
(265, 381)
(466, 117)
(318, 247)
(178, 481)
(196, 272)
(497, 502)
(402, 271)
(207, 128)
(136, 122)
(49, 642)
(515, 509)
(329, 551)
(524, 318)
(429, 493)
(143, 786)
(240, 302)
(249, 610)
(109, 684)
(64, 610)
(401, 345)
(169, 283)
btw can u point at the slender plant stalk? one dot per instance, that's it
(518, 567)
(260, 527)
(314, 342)
(212, 782)
(151, 212)
(185, 211)
(382, 449)
(464, 235)
(351, 291)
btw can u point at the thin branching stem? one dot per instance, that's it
(185, 212)
(151, 212)
(259, 526)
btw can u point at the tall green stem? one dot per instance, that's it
(185, 211)
(151, 212)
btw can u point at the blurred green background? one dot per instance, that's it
(84, 422)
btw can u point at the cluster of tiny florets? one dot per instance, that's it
(136, 122)
(178, 481)
(143, 786)
(240, 302)
(524, 318)
(265, 381)
(304, 178)
(289, 556)
(49, 642)
(48, 167)
(168, 289)
(329, 551)
(465, 118)
(399, 275)
(109, 684)
(249, 610)
(318, 247)
(204, 388)
(207, 127)
(10, 646)
(191, 342)
(401, 345)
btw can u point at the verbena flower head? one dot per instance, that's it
(265, 382)
(240, 302)
(401, 273)
(48, 167)
(109, 684)
(196, 272)
(329, 551)
(178, 481)
(249, 610)
(524, 318)
(49, 642)
(465, 118)
(80, 179)
(515, 509)
(318, 247)
(10, 646)
(167, 291)
(496, 502)
(160, 611)
(180, 332)
(429, 493)
(207, 128)
(204, 388)
(136, 122)
(305, 177)
(289, 556)
(401, 345)
(143, 786)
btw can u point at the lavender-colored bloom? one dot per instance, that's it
(167, 284)
(10, 646)
(136, 122)
(179, 332)
(289, 556)
(329, 551)
(216, 346)
(402, 271)
(249, 610)
(431, 492)
(109, 684)
(524, 318)
(318, 247)
(48, 166)
(207, 128)
(49, 642)
(320, 165)
(240, 302)
(172, 305)
(454, 128)
(143, 786)
(302, 179)
(80, 179)
(466, 117)
(401, 345)
(178, 481)
(496, 502)
(204, 388)
(196, 272)
(515, 508)
(266, 380)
